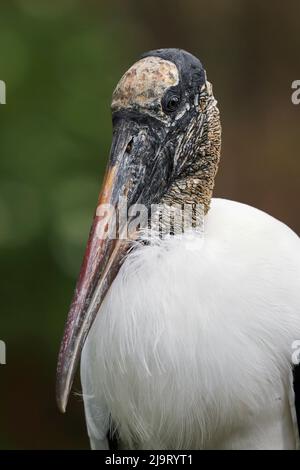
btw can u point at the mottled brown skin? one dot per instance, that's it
(142, 88)
(144, 84)
(203, 141)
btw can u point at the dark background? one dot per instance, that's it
(61, 60)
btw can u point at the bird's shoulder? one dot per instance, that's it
(244, 232)
(232, 217)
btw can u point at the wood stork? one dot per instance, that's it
(186, 340)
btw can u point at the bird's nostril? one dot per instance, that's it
(129, 146)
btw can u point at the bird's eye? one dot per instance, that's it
(129, 146)
(170, 103)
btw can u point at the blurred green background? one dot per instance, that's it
(61, 60)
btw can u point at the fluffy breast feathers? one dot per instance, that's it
(196, 331)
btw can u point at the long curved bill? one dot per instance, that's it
(102, 260)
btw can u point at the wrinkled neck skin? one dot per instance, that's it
(198, 155)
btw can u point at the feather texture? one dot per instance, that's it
(192, 346)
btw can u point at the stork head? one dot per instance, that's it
(165, 149)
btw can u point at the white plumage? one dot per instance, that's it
(192, 346)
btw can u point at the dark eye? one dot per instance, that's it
(170, 103)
